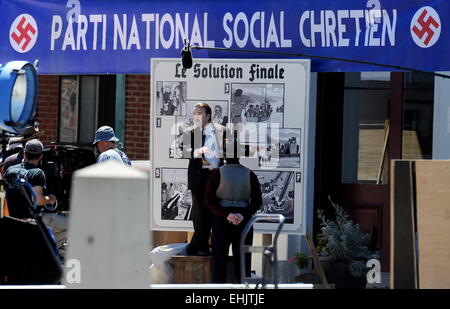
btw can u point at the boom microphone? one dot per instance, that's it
(186, 55)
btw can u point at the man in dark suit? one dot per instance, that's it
(203, 146)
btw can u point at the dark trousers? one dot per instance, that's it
(224, 234)
(201, 216)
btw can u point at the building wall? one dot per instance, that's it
(137, 112)
(137, 116)
(48, 106)
(441, 123)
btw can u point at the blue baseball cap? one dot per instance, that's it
(106, 134)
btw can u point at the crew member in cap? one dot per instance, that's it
(28, 170)
(29, 133)
(105, 141)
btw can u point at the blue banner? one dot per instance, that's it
(121, 36)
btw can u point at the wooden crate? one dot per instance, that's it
(420, 233)
(192, 269)
(433, 218)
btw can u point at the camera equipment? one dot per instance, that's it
(59, 164)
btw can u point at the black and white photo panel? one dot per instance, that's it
(176, 199)
(171, 98)
(282, 149)
(176, 146)
(277, 193)
(257, 103)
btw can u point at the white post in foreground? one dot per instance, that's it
(109, 237)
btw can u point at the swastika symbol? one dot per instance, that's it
(23, 33)
(426, 27)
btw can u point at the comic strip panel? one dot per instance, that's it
(282, 149)
(219, 115)
(171, 98)
(176, 199)
(257, 103)
(278, 193)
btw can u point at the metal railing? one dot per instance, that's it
(269, 252)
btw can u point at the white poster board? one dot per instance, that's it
(273, 96)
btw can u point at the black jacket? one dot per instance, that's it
(193, 139)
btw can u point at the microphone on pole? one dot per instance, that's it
(186, 55)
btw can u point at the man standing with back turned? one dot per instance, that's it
(233, 194)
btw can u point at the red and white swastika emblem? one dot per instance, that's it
(23, 33)
(426, 27)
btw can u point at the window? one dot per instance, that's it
(86, 102)
(68, 116)
(366, 107)
(418, 109)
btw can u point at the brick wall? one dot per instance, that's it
(137, 112)
(137, 117)
(47, 107)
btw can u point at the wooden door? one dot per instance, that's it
(359, 126)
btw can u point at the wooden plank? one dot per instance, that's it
(267, 265)
(197, 273)
(266, 240)
(188, 276)
(382, 171)
(317, 265)
(403, 270)
(192, 269)
(370, 145)
(207, 271)
(433, 223)
(178, 269)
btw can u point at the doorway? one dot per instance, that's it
(364, 120)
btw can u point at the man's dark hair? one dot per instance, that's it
(232, 160)
(238, 92)
(33, 156)
(206, 107)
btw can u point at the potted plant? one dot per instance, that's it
(301, 260)
(346, 249)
